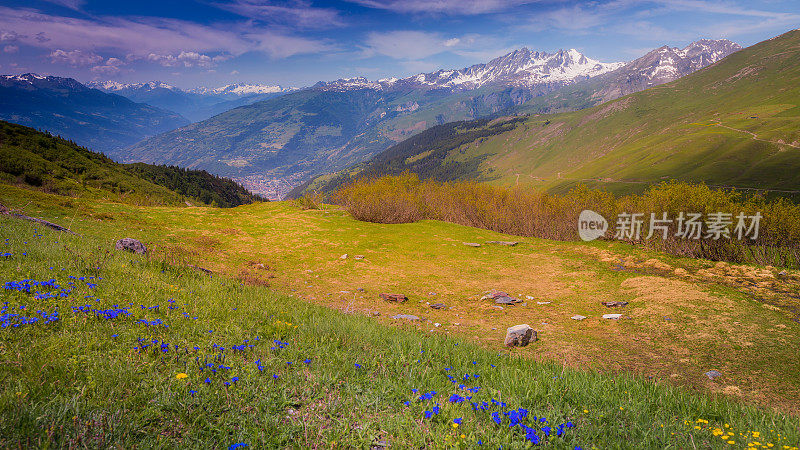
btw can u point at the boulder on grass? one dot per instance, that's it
(519, 336)
(131, 245)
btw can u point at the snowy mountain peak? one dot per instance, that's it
(521, 67)
(248, 89)
(667, 63)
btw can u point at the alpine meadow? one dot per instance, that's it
(389, 224)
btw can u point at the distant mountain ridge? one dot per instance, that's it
(195, 104)
(63, 106)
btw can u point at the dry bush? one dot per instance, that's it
(526, 212)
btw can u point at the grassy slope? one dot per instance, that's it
(41, 161)
(99, 391)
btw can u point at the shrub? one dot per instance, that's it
(528, 212)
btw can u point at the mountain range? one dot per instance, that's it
(104, 122)
(735, 123)
(194, 104)
(285, 141)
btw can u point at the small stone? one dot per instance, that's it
(711, 374)
(379, 445)
(131, 245)
(394, 297)
(508, 243)
(529, 297)
(577, 317)
(615, 304)
(506, 300)
(437, 324)
(493, 294)
(438, 306)
(343, 256)
(432, 294)
(406, 317)
(612, 316)
(497, 306)
(358, 256)
(471, 244)
(519, 335)
(543, 303)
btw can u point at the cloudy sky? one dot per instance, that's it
(296, 43)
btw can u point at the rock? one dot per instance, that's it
(506, 300)
(438, 306)
(543, 303)
(406, 317)
(612, 316)
(500, 297)
(497, 306)
(343, 256)
(437, 324)
(394, 297)
(577, 317)
(131, 245)
(519, 336)
(614, 304)
(530, 297)
(432, 294)
(711, 374)
(471, 244)
(508, 243)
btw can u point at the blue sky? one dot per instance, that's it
(296, 43)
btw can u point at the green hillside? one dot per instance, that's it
(311, 132)
(44, 162)
(736, 123)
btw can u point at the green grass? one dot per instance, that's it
(80, 382)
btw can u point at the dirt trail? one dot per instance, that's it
(755, 136)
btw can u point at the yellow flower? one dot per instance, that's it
(586, 411)
(455, 425)
(463, 436)
(731, 442)
(181, 376)
(756, 434)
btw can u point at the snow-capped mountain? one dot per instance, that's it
(115, 86)
(102, 121)
(521, 68)
(195, 104)
(662, 65)
(666, 63)
(242, 89)
(35, 81)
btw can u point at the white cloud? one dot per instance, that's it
(451, 7)
(296, 13)
(409, 45)
(71, 4)
(142, 36)
(111, 67)
(11, 48)
(75, 57)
